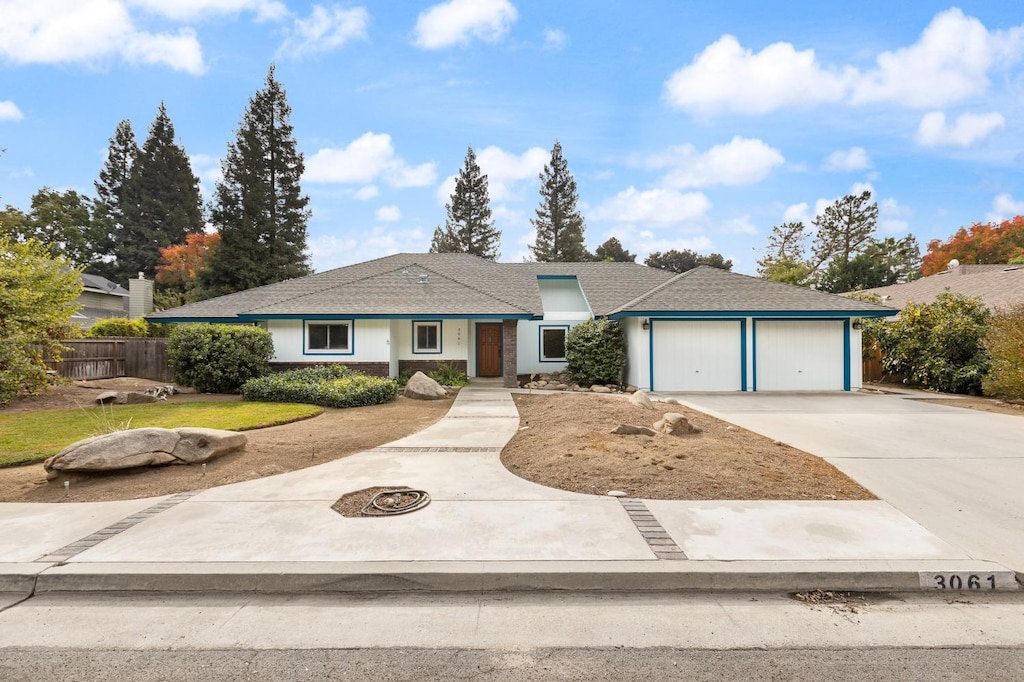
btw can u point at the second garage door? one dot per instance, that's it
(697, 355)
(800, 355)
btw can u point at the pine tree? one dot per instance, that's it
(258, 208)
(112, 198)
(468, 227)
(558, 223)
(161, 201)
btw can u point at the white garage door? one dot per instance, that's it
(799, 355)
(696, 355)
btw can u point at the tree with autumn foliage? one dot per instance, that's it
(177, 273)
(980, 243)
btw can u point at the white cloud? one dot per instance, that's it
(740, 225)
(9, 111)
(388, 214)
(504, 171)
(207, 169)
(893, 218)
(950, 62)
(555, 39)
(367, 159)
(58, 31)
(182, 10)
(456, 22)
(326, 29)
(330, 251)
(852, 159)
(798, 213)
(934, 131)
(653, 207)
(367, 193)
(1004, 207)
(644, 242)
(858, 188)
(741, 161)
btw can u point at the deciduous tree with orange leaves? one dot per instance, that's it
(980, 243)
(179, 266)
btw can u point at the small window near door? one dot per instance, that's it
(426, 337)
(552, 344)
(328, 337)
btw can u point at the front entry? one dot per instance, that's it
(488, 350)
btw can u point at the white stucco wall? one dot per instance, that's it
(370, 342)
(638, 351)
(454, 341)
(528, 346)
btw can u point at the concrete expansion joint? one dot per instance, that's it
(654, 534)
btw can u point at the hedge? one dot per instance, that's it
(218, 358)
(324, 385)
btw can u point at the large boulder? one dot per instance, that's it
(675, 424)
(633, 430)
(143, 447)
(422, 387)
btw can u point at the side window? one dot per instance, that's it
(328, 337)
(426, 337)
(552, 344)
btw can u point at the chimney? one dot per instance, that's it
(140, 297)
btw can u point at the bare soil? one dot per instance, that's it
(969, 402)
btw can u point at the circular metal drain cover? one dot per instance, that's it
(394, 502)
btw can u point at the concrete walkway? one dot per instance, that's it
(485, 528)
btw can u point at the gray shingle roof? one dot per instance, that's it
(998, 286)
(464, 285)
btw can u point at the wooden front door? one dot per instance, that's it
(488, 350)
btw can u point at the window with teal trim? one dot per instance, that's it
(328, 337)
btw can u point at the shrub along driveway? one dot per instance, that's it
(955, 471)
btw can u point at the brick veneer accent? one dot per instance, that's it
(511, 361)
(426, 366)
(376, 369)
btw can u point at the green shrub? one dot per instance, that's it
(218, 358)
(324, 385)
(404, 376)
(939, 344)
(595, 352)
(1005, 344)
(119, 326)
(446, 375)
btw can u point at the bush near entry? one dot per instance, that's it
(218, 358)
(595, 352)
(324, 385)
(1005, 344)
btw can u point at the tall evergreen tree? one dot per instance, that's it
(112, 200)
(468, 227)
(161, 201)
(258, 208)
(558, 223)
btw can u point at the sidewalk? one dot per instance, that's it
(483, 529)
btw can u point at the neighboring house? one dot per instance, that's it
(100, 299)
(998, 286)
(703, 330)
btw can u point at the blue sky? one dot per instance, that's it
(686, 124)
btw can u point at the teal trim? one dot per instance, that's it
(743, 355)
(753, 348)
(351, 338)
(772, 314)
(556, 277)
(427, 318)
(540, 341)
(650, 352)
(846, 355)
(440, 337)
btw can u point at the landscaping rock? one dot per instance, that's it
(109, 397)
(675, 424)
(640, 399)
(422, 387)
(671, 401)
(135, 398)
(597, 388)
(631, 389)
(632, 430)
(143, 447)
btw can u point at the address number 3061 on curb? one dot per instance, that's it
(960, 581)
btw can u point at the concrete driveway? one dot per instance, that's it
(957, 472)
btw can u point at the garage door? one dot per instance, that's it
(806, 355)
(696, 355)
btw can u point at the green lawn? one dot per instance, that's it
(33, 436)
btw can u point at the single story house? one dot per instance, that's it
(998, 286)
(703, 330)
(100, 299)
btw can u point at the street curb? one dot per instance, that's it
(468, 576)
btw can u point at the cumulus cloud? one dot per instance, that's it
(91, 31)
(555, 39)
(332, 251)
(367, 159)
(893, 218)
(504, 171)
(852, 159)
(934, 131)
(950, 61)
(325, 29)
(457, 22)
(656, 207)
(388, 214)
(9, 111)
(183, 10)
(741, 161)
(1004, 207)
(366, 193)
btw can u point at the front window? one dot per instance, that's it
(426, 337)
(552, 344)
(329, 336)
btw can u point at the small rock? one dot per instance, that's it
(730, 428)
(597, 388)
(675, 424)
(640, 399)
(107, 397)
(671, 401)
(616, 493)
(632, 430)
(631, 389)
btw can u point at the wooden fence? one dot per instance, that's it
(114, 357)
